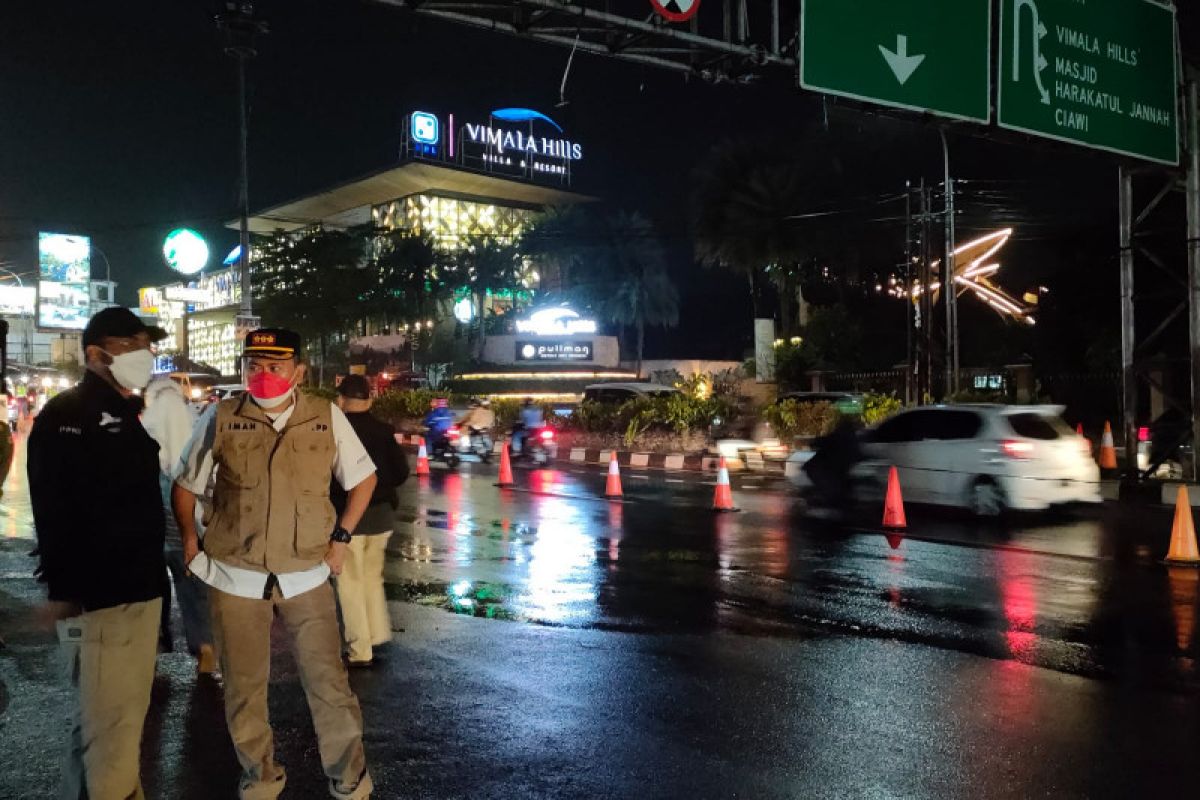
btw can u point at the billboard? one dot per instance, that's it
(17, 301)
(64, 281)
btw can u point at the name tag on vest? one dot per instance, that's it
(242, 426)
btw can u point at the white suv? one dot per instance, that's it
(985, 458)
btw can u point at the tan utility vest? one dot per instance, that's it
(271, 509)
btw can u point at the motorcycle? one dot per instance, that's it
(536, 446)
(444, 448)
(475, 443)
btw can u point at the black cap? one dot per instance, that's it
(355, 387)
(121, 323)
(272, 343)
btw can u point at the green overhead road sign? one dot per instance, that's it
(923, 55)
(1099, 73)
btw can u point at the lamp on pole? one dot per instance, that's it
(240, 27)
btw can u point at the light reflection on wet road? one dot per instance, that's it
(1082, 594)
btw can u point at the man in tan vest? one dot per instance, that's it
(270, 544)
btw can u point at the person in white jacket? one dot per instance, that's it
(170, 421)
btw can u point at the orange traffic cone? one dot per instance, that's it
(506, 473)
(1183, 533)
(893, 506)
(723, 495)
(422, 459)
(1108, 452)
(613, 488)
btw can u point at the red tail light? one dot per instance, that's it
(547, 435)
(452, 433)
(1015, 449)
(1143, 434)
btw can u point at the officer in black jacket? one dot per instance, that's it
(93, 480)
(365, 619)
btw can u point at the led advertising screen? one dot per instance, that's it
(17, 301)
(64, 281)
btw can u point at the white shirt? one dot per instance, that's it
(351, 466)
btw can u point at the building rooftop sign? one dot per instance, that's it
(558, 321)
(515, 142)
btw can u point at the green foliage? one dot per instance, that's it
(506, 410)
(676, 413)
(833, 339)
(324, 392)
(407, 404)
(878, 407)
(314, 284)
(792, 363)
(726, 383)
(412, 278)
(596, 417)
(792, 418)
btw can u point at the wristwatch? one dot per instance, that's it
(341, 535)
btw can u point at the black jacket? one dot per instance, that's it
(391, 466)
(93, 480)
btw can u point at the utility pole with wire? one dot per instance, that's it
(240, 27)
(949, 286)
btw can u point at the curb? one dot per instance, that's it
(669, 462)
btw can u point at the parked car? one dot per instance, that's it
(987, 458)
(618, 393)
(224, 391)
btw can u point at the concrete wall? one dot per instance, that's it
(606, 352)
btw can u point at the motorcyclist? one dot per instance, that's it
(438, 421)
(830, 467)
(479, 417)
(530, 420)
(476, 425)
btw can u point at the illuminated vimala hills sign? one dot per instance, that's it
(517, 142)
(501, 140)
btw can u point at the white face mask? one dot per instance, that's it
(132, 370)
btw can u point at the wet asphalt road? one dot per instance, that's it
(550, 643)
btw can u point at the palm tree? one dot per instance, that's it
(613, 264)
(638, 290)
(489, 266)
(745, 205)
(413, 277)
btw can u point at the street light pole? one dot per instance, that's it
(240, 27)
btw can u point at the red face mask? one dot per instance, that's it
(267, 388)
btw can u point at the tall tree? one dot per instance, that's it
(314, 283)
(637, 292)
(745, 204)
(413, 277)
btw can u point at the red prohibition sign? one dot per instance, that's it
(676, 10)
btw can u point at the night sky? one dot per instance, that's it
(118, 120)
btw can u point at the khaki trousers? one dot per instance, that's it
(360, 590)
(242, 628)
(109, 658)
